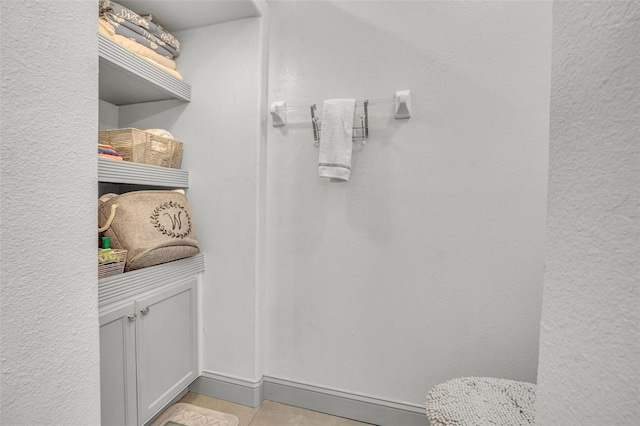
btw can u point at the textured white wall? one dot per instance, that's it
(589, 371)
(49, 316)
(107, 115)
(428, 263)
(220, 129)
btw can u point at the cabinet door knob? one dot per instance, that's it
(132, 317)
(144, 311)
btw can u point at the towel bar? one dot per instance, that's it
(402, 109)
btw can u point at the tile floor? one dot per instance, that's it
(269, 413)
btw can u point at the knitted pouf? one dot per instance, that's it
(476, 401)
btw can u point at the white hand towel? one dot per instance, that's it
(336, 138)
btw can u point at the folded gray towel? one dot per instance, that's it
(147, 27)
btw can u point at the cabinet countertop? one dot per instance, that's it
(119, 287)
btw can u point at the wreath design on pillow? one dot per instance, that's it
(172, 219)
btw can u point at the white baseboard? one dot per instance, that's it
(331, 401)
(234, 389)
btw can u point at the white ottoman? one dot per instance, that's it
(477, 401)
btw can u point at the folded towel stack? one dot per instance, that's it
(108, 151)
(142, 35)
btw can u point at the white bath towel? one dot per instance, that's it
(336, 138)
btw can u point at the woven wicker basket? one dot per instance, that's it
(141, 147)
(112, 268)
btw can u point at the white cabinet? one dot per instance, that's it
(118, 366)
(148, 351)
(167, 346)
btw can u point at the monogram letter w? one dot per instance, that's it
(175, 220)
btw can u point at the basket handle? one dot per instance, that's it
(106, 197)
(112, 215)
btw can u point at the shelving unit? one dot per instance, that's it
(126, 78)
(141, 309)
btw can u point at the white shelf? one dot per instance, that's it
(122, 286)
(126, 78)
(112, 171)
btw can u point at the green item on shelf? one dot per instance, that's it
(106, 254)
(106, 243)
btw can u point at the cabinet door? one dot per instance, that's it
(118, 367)
(167, 345)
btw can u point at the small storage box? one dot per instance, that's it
(141, 147)
(112, 265)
